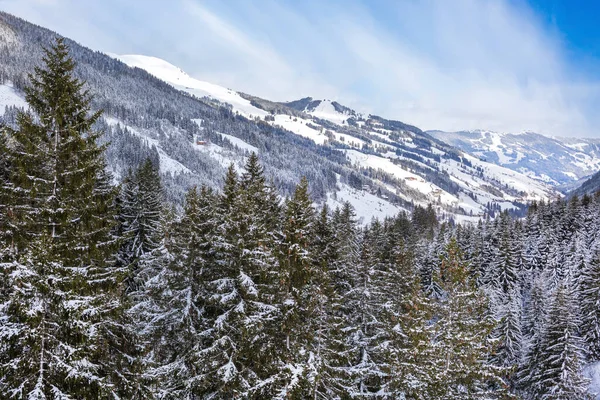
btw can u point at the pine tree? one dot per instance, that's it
(505, 292)
(347, 238)
(140, 214)
(560, 371)
(461, 336)
(407, 316)
(5, 199)
(589, 297)
(372, 284)
(300, 296)
(535, 320)
(64, 302)
(242, 301)
(183, 340)
(142, 253)
(507, 333)
(506, 269)
(327, 368)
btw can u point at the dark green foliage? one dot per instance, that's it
(61, 332)
(557, 372)
(241, 296)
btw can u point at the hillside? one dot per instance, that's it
(557, 161)
(196, 129)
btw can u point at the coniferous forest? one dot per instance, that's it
(109, 292)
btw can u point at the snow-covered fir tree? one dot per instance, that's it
(233, 293)
(462, 336)
(63, 303)
(558, 375)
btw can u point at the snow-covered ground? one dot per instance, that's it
(299, 127)
(592, 372)
(366, 205)
(182, 81)
(325, 110)
(10, 97)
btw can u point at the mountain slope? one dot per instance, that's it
(589, 186)
(404, 152)
(195, 129)
(558, 161)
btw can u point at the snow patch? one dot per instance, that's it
(240, 143)
(325, 110)
(366, 205)
(592, 372)
(299, 127)
(10, 97)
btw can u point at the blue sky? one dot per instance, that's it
(508, 65)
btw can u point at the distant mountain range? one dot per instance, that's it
(195, 129)
(561, 162)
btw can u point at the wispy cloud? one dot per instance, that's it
(450, 65)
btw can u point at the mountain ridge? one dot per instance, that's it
(195, 129)
(555, 160)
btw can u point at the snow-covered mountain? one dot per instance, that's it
(328, 110)
(558, 161)
(195, 129)
(410, 163)
(182, 81)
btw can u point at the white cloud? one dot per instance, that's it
(438, 64)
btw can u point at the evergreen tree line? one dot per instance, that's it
(542, 276)
(107, 292)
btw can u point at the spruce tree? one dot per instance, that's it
(559, 374)
(5, 212)
(243, 290)
(461, 336)
(186, 356)
(299, 296)
(408, 312)
(535, 321)
(327, 368)
(58, 340)
(366, 300)
(140, 214)
(589, 297)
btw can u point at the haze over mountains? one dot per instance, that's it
(195, 129)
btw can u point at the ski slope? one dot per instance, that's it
(180, 80)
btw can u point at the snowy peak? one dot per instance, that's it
(328, 110)
(175, 76)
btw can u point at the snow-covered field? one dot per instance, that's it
(325, 110)
(366, 205)
(10, 97)
(592, 372)
(299, 127)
